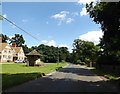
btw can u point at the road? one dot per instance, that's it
(72, 78)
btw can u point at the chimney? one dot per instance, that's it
(13, 44)
(0, 39)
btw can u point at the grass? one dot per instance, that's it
(103, 73)
(14, 74)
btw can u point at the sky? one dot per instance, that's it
(53, 23)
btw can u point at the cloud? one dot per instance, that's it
(69, 20)
(92, 36)
(83, 12)
(62, 17)
(63, 45)
(5, 15)
(59, 16)
(86, 1)
(64, 12)
(75, 14)
(83, 2)
(24, 20)
(52, 43)
(44, 41)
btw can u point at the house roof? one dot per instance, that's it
(2, 46)
(17, 49)
(34, 52)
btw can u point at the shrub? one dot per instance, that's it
(78, 61)
(63, 61)
(9, 61)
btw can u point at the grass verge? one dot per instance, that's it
(14, 74)
(105, 74)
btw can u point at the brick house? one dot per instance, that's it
(12, 53)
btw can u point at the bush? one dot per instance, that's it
(80, 62)
(9, 61)
(63, 61)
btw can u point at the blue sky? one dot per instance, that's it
(57, 24)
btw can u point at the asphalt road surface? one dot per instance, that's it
(72, 78)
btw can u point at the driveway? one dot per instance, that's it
(72, 78)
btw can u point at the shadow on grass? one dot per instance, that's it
(10, 80)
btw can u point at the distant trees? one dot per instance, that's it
(84, 51)
(52, 54)
(108, 15)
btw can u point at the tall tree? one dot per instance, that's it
(4, 38)
(18, 39)
(108, 15)
(84, 49)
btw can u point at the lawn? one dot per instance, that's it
(14, 74)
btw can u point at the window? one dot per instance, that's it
(5, 50)
(4, 57)
(9, 57)
(9, 51)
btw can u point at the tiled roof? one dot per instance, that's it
(34, 52)
(17, 49)
(2, 46)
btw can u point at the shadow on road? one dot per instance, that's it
(78, 71)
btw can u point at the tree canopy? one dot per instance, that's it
(83, 50)
(18, 39)
(4, 38)
(107, 14)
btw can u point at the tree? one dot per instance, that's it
(26, 49)
(83, 50)
(4, 38)
(108, 15)
(18, 39)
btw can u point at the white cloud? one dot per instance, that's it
(59, 16)
(62, 17)
(86, 1)
(83, 12)
(92, 36)
(64, 12)
(5, 15)
(52, 43)
(63, 45)
(75, 14)
(44, 41)
(69, 20)
(24, 20)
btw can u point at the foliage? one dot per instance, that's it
(9, 61)
(13, 74)
(84, 51)
(18, 39)
(4, 38)
(108, 15)
(52, 54)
